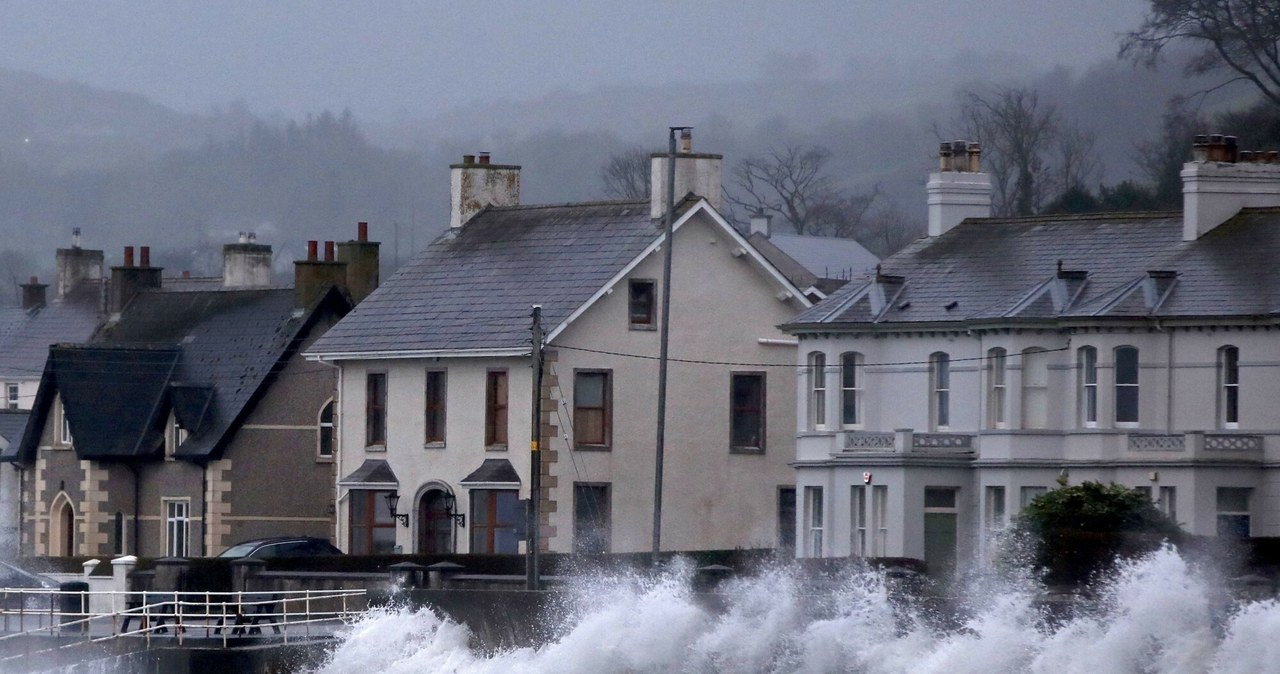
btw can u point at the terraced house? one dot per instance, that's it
(189, 420)
(437, 391)
(985, 362)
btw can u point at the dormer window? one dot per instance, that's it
(64, 426)
(175, 435)
(641, 304)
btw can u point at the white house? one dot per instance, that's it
(435, 395)
(942, 393)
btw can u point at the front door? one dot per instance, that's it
(435, 527)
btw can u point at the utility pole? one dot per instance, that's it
(534, 513)
(667, 226)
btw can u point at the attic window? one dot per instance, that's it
(641, 304)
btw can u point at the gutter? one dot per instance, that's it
(513, 352)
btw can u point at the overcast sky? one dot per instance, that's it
(381, 58)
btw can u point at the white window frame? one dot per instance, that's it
(177, 526)
(851, 367)
(331, 426)
(1246, 513)
(64, 426)
(174, 436)
(939, 391)
(1087, 361)
(994, 507)
(817, 385)
(1229, 387)
(858, 521)
(1035, 365)
(997, 388)
(11, 396)
(813, 521)
(1136, 385)
(880, 519)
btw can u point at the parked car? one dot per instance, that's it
(280, 546)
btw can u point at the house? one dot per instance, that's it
(817, 264)
(190, 421)
(984, 363)
(26, 332)
(437, 389)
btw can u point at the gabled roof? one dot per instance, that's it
(25, 335)
(471, 291)
(203, 356)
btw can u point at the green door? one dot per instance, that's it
(940, 543)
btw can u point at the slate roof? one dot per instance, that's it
(492, 471)
(204, 356)
(473, 289)
(371, 473)
(826, 257)
(12, 425)
(1113, 266)
(25, 335)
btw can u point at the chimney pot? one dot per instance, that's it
(944, 157)
(328, 251)
(312, 247)
(128, 256)
(186, 273)
(1232, 152)
(468, 159)
(1200, 148)
(975, 157)
(484, 158)
(35, 280)
(145, 254)
(362, 231)
(686, 141)
(75, 237)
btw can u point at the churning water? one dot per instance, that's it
(1156, 615)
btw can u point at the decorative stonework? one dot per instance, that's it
(217, 530)
(1233, 443)
(93, 523)
(867, 441)
(1157, 442)
(942, 441)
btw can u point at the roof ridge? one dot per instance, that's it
(1073, 217)
(568, 204)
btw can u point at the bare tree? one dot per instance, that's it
(1078, 165)
(1017, 133)
(1238, 37)
(792, 182)
(887, 229)
(626, 175)
(1161, 158)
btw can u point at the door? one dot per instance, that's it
(940, 525)
(435, 526)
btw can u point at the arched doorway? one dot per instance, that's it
(435, 526)
(62, 529)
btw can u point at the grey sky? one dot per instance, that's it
(381, 58)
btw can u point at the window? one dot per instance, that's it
(1028, 494)
(1229, 387)
(11, 396)
(1126, 385)
(817, 373)
(592, 408)
(1167, 503)
(325, 431)
(495, 409)
(940, 385)
(640, 304)
(175, 436)
(813, 520)
(375, 409)
(591, 518)
(997, 391)
(880, 520)
(787, 519)
(117, 534)
(177, 526)
(858, 520)
(993, 508)
(1087, 359)
(1233, 512)
(1035, 388)
(746, 411)
(437, 388)
(64, 425)
(850, 390)
(372, 529)
(495, 514)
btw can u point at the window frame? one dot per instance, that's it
(11, 396)
(814, 508)
(1222, 517)
(1228, 387)
(816, 385)
(939, 391)
(1124, 387)
(375, 409)
(64, 438)
(648, 320)
(177, 526)
(997, 387)
(174, 436)
(435, 407)
(760, 411)
(497, 417)
(326, 430)
(600, 539)
(1035, 361)
(605, 410)
(852, 364)
(1087, 363)
(485, 505)
(361, 537)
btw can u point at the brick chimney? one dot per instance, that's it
(361, 258)
(696, 173)
(477, 183)
(33, 294)
(77, 265)
(959, 189)
(1221, 179)
(246, 263)
(313, 276)
(127, 280)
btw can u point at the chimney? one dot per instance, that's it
(696, 173)
(312, 276)
(959, 189)
(361, 258)
(33, 296)
(475, 185)
(127, 280)
(1221, 179)
(77, 265)
(761, 223)
(246, 263)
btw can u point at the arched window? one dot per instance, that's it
(1087, 361)
(325, 431)
(940, 390)
(997, 391)
(1035, 388)
(1126, 385)
(851, 386)
(1229, 387)
(817, 385)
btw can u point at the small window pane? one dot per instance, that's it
(939, 497)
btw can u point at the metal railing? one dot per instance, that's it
(224, 616)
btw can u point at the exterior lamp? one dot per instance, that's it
(393, 499)
(459, 519)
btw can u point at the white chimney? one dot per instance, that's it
(761, 223)
(246, 264)
(696, 173)
(476, 184)
(1220, 180)
(959, 189)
